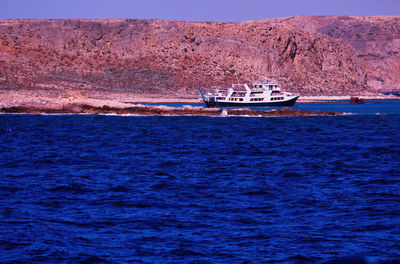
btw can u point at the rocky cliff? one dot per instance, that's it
(376, 41)
(310, 55)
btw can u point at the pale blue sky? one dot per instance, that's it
(190, 10)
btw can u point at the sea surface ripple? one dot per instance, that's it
(115, 189)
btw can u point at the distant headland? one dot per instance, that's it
(61, 60)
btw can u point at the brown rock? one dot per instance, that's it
(376, 41)
(102, 58)
(158, 110)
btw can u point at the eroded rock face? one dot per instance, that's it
(376, 41)
(170, 58)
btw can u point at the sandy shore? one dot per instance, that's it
(74, 103)
(17, 98)
(28, 102)
(12, 98)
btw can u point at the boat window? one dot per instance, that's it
(255, 93)
(238, 94)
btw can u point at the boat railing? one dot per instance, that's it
(220, 92)
(237, 85)
(292, 94)
(257, 90)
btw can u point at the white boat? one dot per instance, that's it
(258, 94)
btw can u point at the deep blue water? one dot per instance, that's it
(125, 189)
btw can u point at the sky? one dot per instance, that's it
(192, 10)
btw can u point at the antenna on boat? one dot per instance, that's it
(202, 95)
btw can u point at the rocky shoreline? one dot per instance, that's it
(159, 110)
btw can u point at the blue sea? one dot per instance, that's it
(188, 189)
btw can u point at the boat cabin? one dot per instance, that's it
(259, 93)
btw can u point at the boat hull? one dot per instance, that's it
(289, 102)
